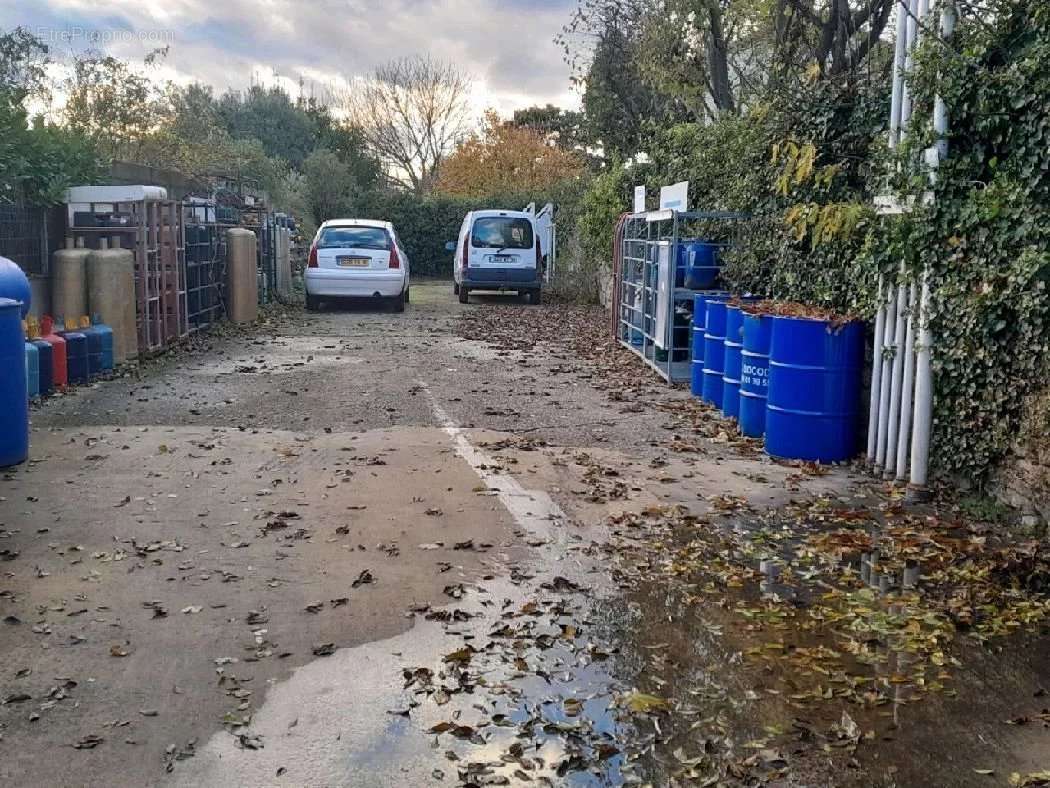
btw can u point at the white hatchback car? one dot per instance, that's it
(357, 258)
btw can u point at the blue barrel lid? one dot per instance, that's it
(10, 303)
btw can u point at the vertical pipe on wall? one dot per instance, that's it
(886, 375)
(900, 326)
(923, 416)
(898, 73)
(876, 372)
(907, 385)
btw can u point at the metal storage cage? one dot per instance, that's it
(654, 312)
(153, 230)
(261, 222)
(205, 269)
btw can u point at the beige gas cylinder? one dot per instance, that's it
(242, 275)
(111, 295)
(69, 281)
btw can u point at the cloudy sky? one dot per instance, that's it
(506, 45)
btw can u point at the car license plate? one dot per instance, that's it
(353, 262)
(502, 258)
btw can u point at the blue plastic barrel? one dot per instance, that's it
(32, 361)
(734, 345)
(76, 356)
(14, 405)
(813, 404)
(754, 374)
(47, 362)
(14, 285)
(702, 265)
(714, 352)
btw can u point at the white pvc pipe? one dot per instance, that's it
(920, 436)
(884, 387)
(923, 418)
(912, 33)
(907, 385)
(876, 372)
(900, 326)
(898, 72)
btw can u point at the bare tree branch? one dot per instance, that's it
(412, 112)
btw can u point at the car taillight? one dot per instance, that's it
(395, 260)
(466, 252)
(312, 262)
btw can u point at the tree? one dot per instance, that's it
(411, 113)
(506, 159)
(37, 160)
(113, 104)
(23, 65)
(329, 186)
(269, 115)
(561, 127)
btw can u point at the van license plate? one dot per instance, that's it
(502, 258)
(353, 262)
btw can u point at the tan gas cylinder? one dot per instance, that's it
(111, 295)
(69, 281)
(242, 283)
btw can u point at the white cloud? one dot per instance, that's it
(507, 45)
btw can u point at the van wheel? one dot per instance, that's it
(312, 303)
(455, 288)
(463, 293)
(535, 297)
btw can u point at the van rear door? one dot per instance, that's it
(502, 249)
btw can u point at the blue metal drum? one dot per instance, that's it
(734, 345)
(32, 362)
(47, 363)
(754, 374)
(714, 351)
(14, 405)
(813, 404)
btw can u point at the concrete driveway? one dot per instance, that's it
(367, 549)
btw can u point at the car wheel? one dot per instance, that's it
(407, 298)
(455, 288)
(463, 294)
(536, 297)
(399, 301)
(311, 303)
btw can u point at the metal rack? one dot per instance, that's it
(154, 232)
(261, 222)
(655, 315)
(205, 269)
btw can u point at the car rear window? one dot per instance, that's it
(502, 232)
(353, 238)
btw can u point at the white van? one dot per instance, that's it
(498, 250)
